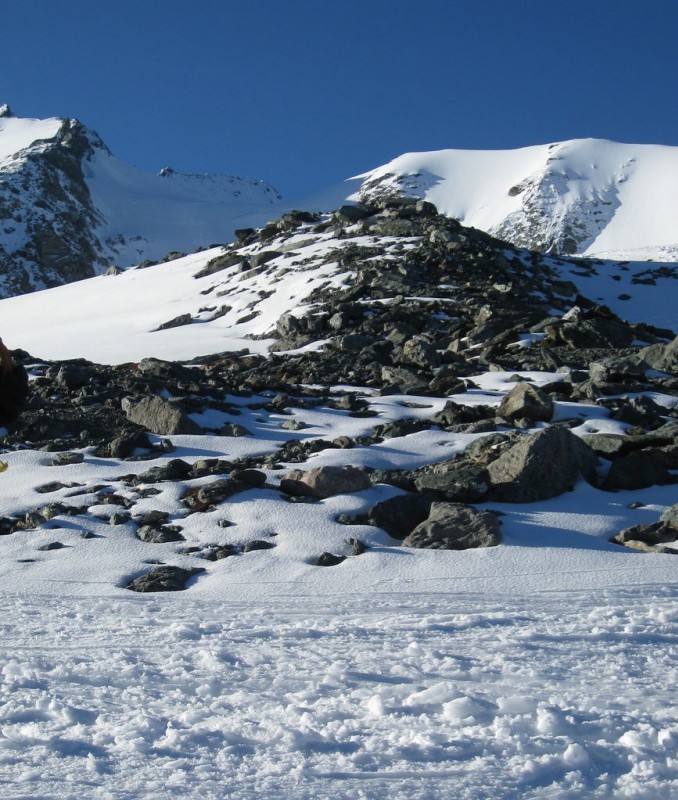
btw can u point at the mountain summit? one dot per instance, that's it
(587, 197)
(70, 210)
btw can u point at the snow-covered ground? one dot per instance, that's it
(541, 668)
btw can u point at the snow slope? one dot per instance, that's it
(584, 196)
(147, 216)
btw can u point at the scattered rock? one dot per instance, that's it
(526, 401)
(325, 481)
(161, 417)
(163, 579)
(257, 544)
(453, 526)
(328, 560)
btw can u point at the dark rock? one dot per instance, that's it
(173, 470)
(153, 517)
(328, 560)
(636, 471)
(176, 322)
(161, 417)
(257, 544)
(617, 369)
(51, 546)
(357, 547)
(638, 411)
(325, 481)
(662, 357)
(159, 535)
(54, 486)
(453, 526)
(540, 465)
(163, 579)
(401, 514)
(252, 477)
(125, 444)
(220, 552)
(670, 517)
(607, 445)
(62, 459)
(525, 401)
(461, 482)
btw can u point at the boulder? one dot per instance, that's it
(637, 471)
(662, 357)
(525, 401)
(325, 481)
(461, 481)
(540, 465)
(161, 417)
(453, 526)
(400, 515)
(163, 579)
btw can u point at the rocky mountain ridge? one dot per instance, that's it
(69, 210)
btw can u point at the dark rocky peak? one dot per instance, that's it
(79, 140)
(5, 111)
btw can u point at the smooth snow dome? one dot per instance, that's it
(635, 187)
(18, 134)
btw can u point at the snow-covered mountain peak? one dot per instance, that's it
(70, 209)
(583, 196)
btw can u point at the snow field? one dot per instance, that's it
(324, 696)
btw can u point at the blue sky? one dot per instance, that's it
(305, 93)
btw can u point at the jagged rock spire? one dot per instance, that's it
(5, 110)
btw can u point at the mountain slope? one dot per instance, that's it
(585, 196)
(69, 209)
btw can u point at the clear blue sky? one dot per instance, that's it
(304, 93)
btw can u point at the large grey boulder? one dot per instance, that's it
(525, 401)
(325, 481)
(453, 526)
(662, 357)
(161, 417)
(540, 465)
